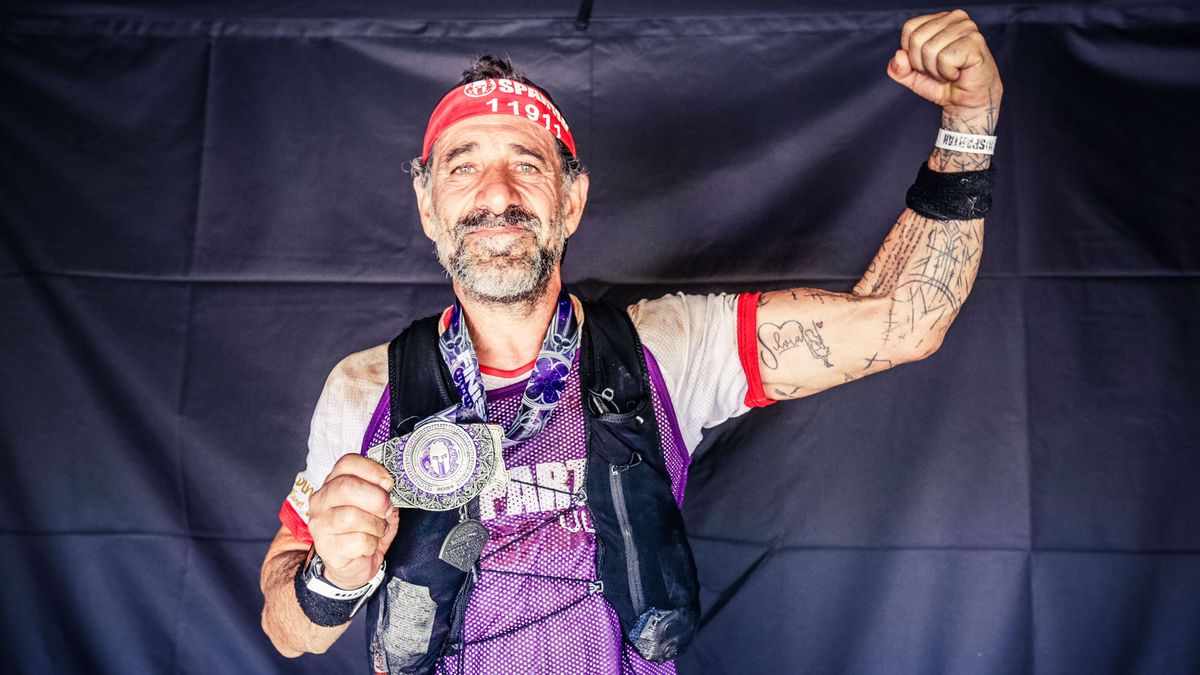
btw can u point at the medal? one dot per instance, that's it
(442, 466)
(464, 544)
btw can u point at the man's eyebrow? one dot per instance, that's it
(527, 151)
(459, 150)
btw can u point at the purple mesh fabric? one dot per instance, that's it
(532, 609)
(379, 430)
(675, 452)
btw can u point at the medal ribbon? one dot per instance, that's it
(545, 385)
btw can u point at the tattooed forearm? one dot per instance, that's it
(939, 275)
(926, 268)
(982, 122)
(885, 271)
(774, 340)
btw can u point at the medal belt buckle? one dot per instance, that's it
(440, 465)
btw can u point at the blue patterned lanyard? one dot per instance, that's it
(545, 385)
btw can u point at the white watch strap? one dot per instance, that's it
(319, 585)
(974, 143)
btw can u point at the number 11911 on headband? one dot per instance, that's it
(532, 113)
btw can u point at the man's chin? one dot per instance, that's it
(496, 286)
(505, 295)
(512, 276)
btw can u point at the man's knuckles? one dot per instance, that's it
(916, 22)
(349, 490)
(366, 469)
(918, 30)
(944, 59)
(391, 526)
(352, 519)
(341, 550)
(929, 54)
(950, 59)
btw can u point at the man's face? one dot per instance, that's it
(496, 207)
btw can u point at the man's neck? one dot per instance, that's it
(508, 337)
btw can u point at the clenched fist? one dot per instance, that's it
(352, 520)
(944, 59)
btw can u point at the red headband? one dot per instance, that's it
(492, 97)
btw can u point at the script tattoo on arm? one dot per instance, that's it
(774, 340)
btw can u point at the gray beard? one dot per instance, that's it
(510, 274)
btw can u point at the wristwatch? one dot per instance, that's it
(315, 581)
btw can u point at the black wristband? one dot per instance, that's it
(965, 195)
(319, 609)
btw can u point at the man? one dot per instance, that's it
(524, 584)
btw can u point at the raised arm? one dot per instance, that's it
(899, 311)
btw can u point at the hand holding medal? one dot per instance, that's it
(454, 455)
(352, 521)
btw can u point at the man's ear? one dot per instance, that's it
(425, 207)
(576, 199)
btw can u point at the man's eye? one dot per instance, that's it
(462, 169)
(525, 167)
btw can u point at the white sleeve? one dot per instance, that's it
(339, 421)
(694, 340)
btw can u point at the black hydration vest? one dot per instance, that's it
(642, 556)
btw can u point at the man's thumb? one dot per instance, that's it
(900, 69)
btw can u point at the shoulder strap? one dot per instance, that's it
(612, 365)
(615, 387)
(646, 565)
(419, 383)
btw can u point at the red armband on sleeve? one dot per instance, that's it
(747, 342)
(292, 521)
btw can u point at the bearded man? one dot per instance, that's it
(549, 537)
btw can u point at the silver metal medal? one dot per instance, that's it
(441, 466)
(464, 544)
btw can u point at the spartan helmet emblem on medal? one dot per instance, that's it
(441, 462)
(479, 88)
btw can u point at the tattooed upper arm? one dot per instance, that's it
(809, 340)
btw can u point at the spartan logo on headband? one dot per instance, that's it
(480, 88)
(496, 97)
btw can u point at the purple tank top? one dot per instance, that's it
(534, 608)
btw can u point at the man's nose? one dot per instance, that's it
(496, 191)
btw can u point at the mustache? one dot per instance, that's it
(513, 216)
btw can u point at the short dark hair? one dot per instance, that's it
(488, 67)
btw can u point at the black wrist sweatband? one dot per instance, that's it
(319, 609)
(965, 195)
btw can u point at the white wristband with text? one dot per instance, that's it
(974, 143)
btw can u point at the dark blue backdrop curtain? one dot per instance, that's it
(202, 210)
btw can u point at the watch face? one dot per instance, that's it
(314, 579)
